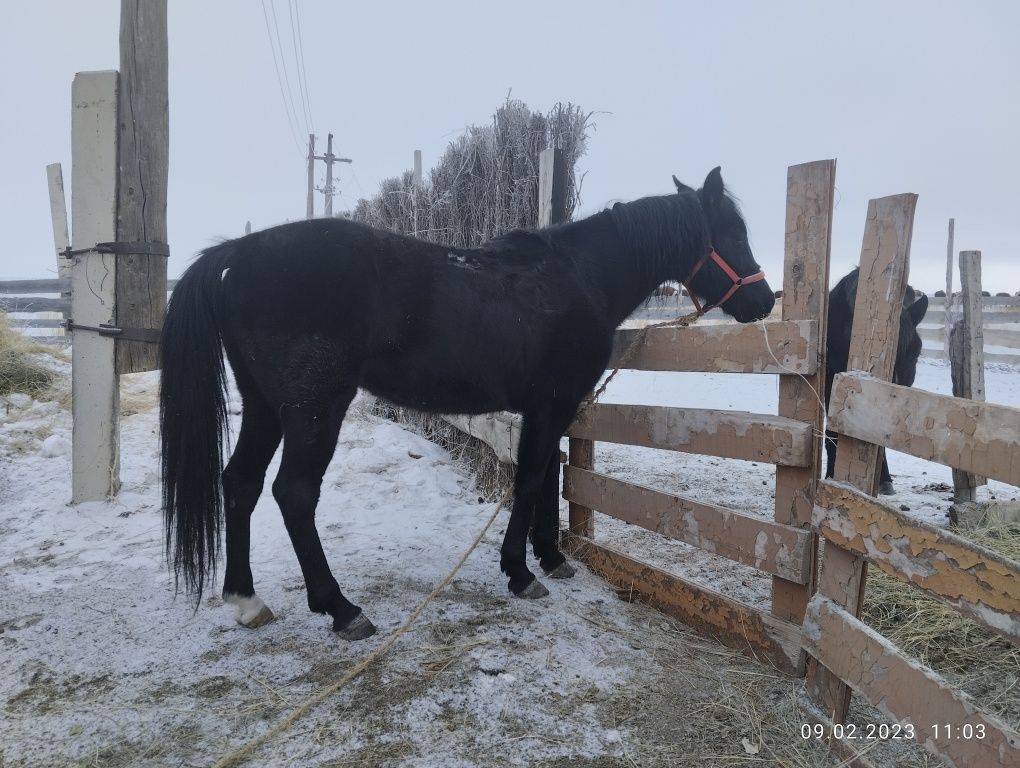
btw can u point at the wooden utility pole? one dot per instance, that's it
(329, 158)
(310, 205)
(143, 156)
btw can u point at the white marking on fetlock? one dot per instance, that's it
(251, 611)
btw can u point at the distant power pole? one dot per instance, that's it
(310, 206)
(329, 158)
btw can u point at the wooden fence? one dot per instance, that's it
(49, 299)
(1000, 317)
(812, 626)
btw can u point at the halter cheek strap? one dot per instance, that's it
(735, 279)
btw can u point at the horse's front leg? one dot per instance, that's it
(546, 526)
(538, 447)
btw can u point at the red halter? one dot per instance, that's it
(730, 273)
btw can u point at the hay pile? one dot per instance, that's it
(19, 370)
(985, 665)
(486, 183)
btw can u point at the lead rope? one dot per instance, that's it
(246, 750)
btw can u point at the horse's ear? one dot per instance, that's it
(918, 309)
(680, 186)
(713, 190)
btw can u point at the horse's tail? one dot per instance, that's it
(192, 420)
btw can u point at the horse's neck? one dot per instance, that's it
(611, 266)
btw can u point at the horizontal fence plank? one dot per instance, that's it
(501, 431)
(761, 543)
(982, 438)
(740, 626)
(993, 338)
(19, 322)
(734, 348)
(987, 318)
(939, 302)
(729, 434)
(977, 582)
(49, 285)
(33, 304)
(990, 357)
(944, 721)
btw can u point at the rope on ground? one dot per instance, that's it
(247, 750)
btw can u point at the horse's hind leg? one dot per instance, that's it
(310, 433)
(242, 486)
(546, 528)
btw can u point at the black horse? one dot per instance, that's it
(309, 312)
(837, 355)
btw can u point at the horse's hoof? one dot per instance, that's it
(251, 611)
(357, 628)
(534, 590)
(886, 488)
(263, 617)
(562, 571)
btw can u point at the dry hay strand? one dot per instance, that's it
(20, 371)
(492, 477)
(983, 664)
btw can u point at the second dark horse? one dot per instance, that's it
(837, 355)
(310, 312)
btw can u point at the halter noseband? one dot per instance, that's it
(730, 273)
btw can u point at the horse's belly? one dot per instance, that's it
(436, 392)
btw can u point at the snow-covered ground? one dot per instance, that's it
(102, 666)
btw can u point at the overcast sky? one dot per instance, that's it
(908, 97)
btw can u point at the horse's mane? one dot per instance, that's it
(656, 228)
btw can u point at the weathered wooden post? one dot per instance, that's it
(885, 258)
(58, 219)
(552, 209)
(144, 147)
(809, 200)
(947, 316)
(967, 358)
(95, 454)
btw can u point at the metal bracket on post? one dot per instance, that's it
(146, 335)
(122, 249)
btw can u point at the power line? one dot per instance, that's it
(276, 66)
(299, 61)
(283, 62)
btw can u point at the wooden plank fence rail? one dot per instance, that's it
(33, 304)
(729, 434)
(736, 624)
(943, 720)
(723, 348)
(761, 543)
(50, 285)
(983, 438)
(977, 582)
